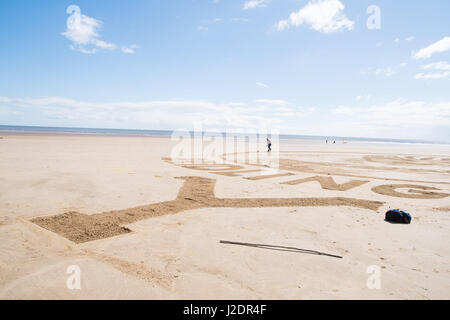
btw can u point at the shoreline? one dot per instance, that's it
(45, 131)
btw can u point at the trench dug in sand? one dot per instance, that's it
(414, 192)
(196, 193)
(328, 183)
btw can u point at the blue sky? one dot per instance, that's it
(298, 66)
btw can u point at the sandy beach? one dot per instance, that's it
(142, 226)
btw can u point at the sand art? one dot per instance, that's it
(138, 270)
(341, 169)
(324, 168)
(234, 173)
(196, 193)
(328, 183)
(269, 176)
(414, 192)
(407, 160)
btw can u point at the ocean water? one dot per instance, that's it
(92, 131)
(167, 133)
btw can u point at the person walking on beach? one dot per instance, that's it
(269, 145)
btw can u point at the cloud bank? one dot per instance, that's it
(402, 119)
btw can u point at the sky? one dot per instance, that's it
(354, 68)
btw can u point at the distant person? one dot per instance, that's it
(269, 145)
(334, 142)
(326, 141)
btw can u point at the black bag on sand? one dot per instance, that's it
(398, 216)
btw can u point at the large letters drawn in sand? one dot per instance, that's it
(196, 193)
(328, 183)
(415, 192)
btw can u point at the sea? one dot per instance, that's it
(286, 138)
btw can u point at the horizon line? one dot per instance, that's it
(330, 137)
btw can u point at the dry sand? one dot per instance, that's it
(140, 226)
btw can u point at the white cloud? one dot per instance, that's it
(366, 97)
(273, 102)
(240, 20)
(252, 4)
(441, 65)
(396, 119)
(325, 16)
(166, 114)
(205, 22)
(400, 119)
(440, 70)
(387, 72)
(84, 50)
(215, 20)
(127, 50)
(130, 50)
(104, 45)
(260, 84)
(409, 39)
(432, 76)
(438, 47)
(401, 113)
(384, 71)
(84, 32)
